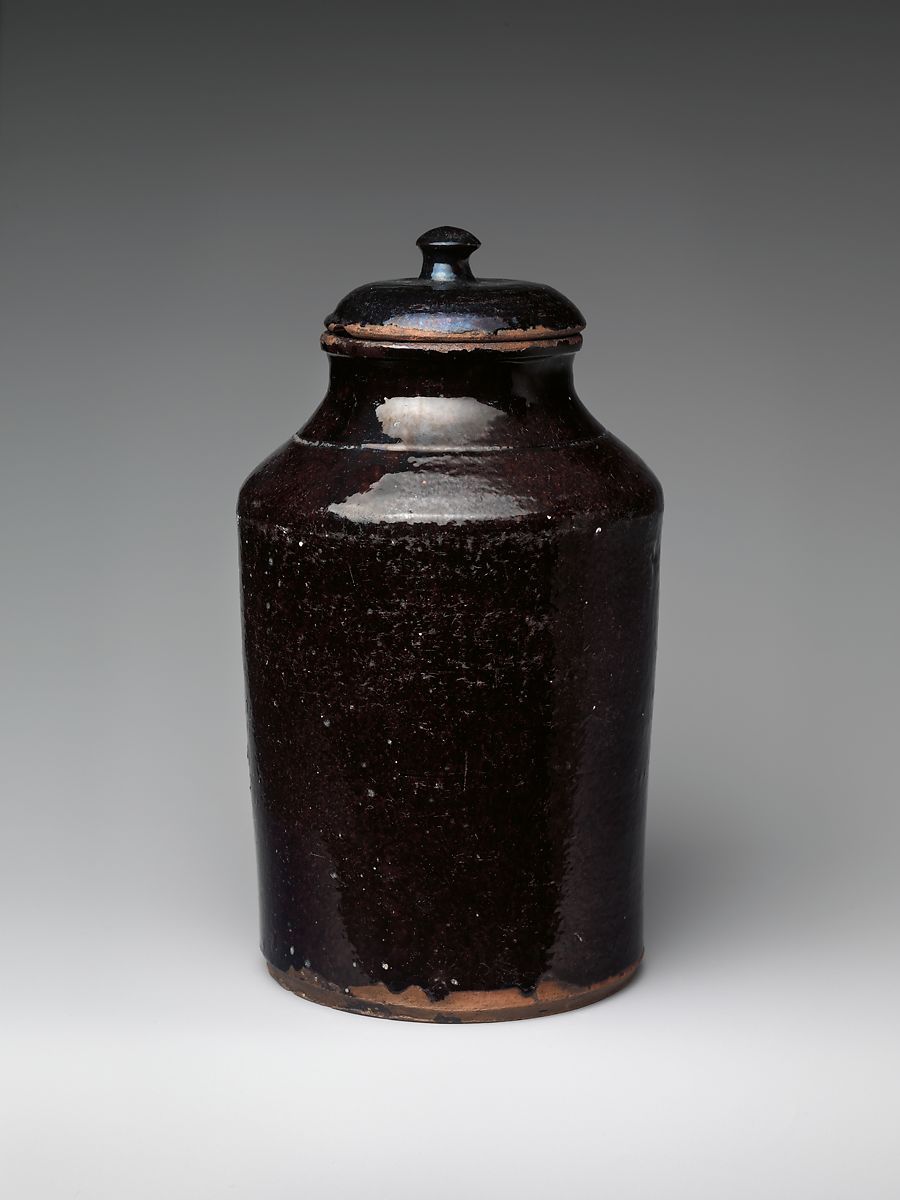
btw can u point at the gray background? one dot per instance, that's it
(187, 188)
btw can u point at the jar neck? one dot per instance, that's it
(438, 402)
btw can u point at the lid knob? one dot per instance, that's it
(445, 253)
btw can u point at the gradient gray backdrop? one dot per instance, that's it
(187, 188)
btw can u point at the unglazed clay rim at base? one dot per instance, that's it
(413, 1004)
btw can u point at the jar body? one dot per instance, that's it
(449, 604)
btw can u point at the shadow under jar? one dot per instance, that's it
(449, 605)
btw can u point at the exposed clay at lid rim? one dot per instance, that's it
(434, 330)
(333, 342)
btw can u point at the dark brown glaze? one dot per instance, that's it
(449, 600)
(450, 612)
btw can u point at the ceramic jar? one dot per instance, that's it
(449, 606)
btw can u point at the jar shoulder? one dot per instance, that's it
(595, 479)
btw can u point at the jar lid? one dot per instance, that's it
(448, 309)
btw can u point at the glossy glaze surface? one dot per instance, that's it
(446, 304)
(449, 597)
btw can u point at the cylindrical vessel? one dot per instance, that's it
(449, 603)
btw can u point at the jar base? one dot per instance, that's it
(413, 1004)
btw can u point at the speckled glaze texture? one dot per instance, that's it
(449, 602)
